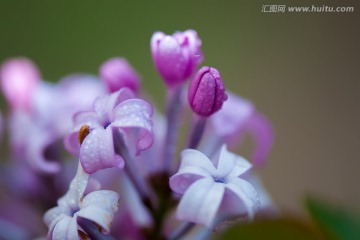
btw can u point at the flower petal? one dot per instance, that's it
(194, 49)
(71, 143)
(73, 85)
(65, 229)
(194, 158)
(35, 151)
(97, 151)
(231, 164)
(52, 214)
(225, 163)
(268, 206)
(230, 121)
(261, 130)
(59, 219)
(154, 44)
(134, 118)
(29, 141)
(181, 181)
(201, 202)
(76, 190)
(99, 207)
(88, 118)
(170, 60)
(246, 193)
(106, 104)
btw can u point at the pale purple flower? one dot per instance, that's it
(119, 111)
(176, 57)
(19, 78)
(206, 185)
(98, 206)
(32, 132)
(117, 73)
(237, 117)
(206, 92)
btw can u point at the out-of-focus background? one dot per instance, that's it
(300, 69)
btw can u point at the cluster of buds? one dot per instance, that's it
(91, 159)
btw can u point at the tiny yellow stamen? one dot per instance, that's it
(83, 132)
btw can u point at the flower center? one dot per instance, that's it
(106, 124)
(73, 211)
(219, 180)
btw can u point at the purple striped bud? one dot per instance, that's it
(176, 57)
(206, 92)
(117, 73)
(19, 78)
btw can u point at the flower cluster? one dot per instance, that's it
(91, 159)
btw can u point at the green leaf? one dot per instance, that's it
(338, 223)
(279, 229)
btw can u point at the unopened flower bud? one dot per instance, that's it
(118, 73)
(19, 77)
(206, 92)
(176, 57)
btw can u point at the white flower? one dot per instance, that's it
(211, 189)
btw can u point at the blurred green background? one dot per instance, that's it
(301, 69)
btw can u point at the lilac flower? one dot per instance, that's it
(206, 92)
(98, 206)
(237, 117)
(121, 112)
(206, 185)
(176, 57)
(32, 132)
(118, 73)
(104, 131)
(19, 78)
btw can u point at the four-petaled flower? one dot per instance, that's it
(98, 206)
(209, 187)
(121, 112)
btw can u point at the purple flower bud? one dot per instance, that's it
(206, 92)
(176, 57)
(118, 73)
(19, 77)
